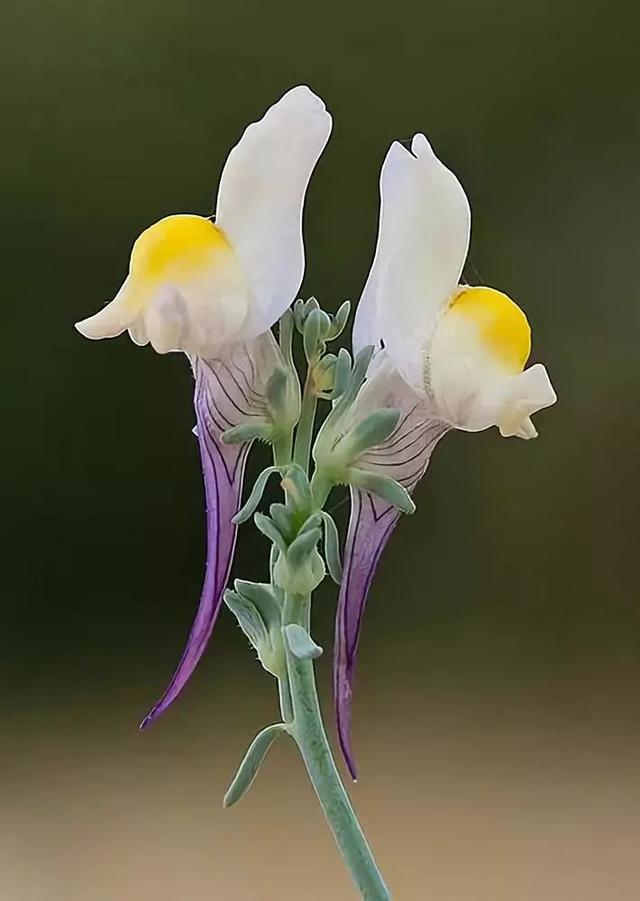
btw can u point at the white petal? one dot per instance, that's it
(261, 198)
(138, 332)
(423, 240)
(112, 320)
(527, 393)
(165, 321)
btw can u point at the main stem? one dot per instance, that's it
(309, 733)
(304, 432)
(301, 708)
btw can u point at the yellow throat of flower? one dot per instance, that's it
(174, 249)
(501, 324)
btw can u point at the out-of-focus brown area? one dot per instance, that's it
(465, 800)
(496, 718)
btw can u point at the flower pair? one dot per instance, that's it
(446, 355)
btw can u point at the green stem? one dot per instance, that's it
(299, 698)
(282, 450)
(308, 731)
(304, 432)
(284, 696)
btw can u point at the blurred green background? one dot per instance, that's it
(497, 711)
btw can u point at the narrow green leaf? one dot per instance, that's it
(382, 486)
(300, 549)
(262, 597)
(301, 643)
(251, 763)
(332, 548)
(255, 497)
(313, 522)
(249, 618)
(274, 553)
(280, 515)
(268, 528)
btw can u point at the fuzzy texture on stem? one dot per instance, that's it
(301, 709)
(309, 734)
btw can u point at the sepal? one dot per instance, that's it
(332, 548)
(340, 320)
(255, 430)
(383, 487)
(314, 333)
(333, 428)
(368, 433)
(341, 373)
(283, 399)
(323, 374)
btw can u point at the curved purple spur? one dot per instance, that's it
(404, 456)
(227, 392)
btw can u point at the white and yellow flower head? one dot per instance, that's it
(197, 285)
(463, 348)
(446, 355)
(213, 288)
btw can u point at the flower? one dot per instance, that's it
(213, 288)
(447, 355)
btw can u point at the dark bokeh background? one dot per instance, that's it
(497, 717)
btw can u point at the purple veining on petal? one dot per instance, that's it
(404, 457)
(372, 522)
(226, 392)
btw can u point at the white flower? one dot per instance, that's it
(213, 289)
(198, 285)
(461, 348)
(447, 356)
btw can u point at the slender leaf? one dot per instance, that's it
(251, 763)
(269, 528)
(255, 497)
(303, 545)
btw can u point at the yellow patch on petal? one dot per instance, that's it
(178, 241)
(502, 325)
(186, 290)
(174, 249)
